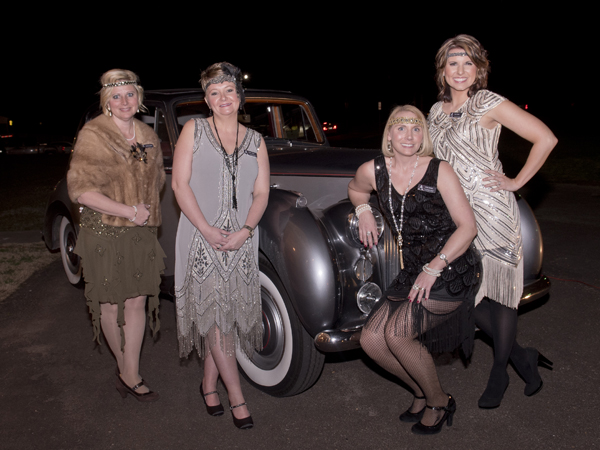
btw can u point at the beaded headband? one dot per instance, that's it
(457, 54)
(413, 120)
(218, 80)
(119, 83)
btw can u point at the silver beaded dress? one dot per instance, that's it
(215, 288)
(471, 150)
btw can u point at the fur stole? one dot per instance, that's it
(102, 162)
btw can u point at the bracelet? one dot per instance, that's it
(250, 230)
(135, 215)
(362, 208)
(430, 271)
(444, 258)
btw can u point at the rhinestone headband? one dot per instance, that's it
(119, 83)
(413, 120)
(457, 54)
(218, 80)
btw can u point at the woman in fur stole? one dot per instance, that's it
(116, 174)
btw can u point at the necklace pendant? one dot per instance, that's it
(401, 261)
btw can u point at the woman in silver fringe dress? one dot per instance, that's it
(465, 127)
(428, 305)
(221, 182)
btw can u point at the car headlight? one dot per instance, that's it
(363, 269)
(367, 296)
(352, 226)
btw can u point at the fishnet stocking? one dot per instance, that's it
(392, 342)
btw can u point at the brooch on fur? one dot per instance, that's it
(139, 152)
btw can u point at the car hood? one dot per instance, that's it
(324, 162)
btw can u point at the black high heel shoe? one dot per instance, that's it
(449, 410)
(494, 391)
(243, 424)
(534, 360)
(408, 416)
(216, 410)
(123, 389)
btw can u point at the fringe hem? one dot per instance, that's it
(501, 282)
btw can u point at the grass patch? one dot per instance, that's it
(26, 182)
(19, 261)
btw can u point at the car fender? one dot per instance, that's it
(296, 245)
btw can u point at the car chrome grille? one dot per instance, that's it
(390, 263)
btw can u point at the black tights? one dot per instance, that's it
(499, 322)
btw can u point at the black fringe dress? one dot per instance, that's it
(427, 227)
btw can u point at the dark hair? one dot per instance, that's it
(475, 51)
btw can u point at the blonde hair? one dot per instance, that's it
(476, 53)
(114, 76)
(427, 145)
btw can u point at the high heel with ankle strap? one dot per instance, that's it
(449, 410)
(216, 410)
(243, 424)
(408, 416)
(123, 389)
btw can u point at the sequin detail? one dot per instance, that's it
(471, 150)
(216, 289)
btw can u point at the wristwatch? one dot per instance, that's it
(443, 258)
(250, 230)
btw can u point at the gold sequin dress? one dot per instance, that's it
(215, 288)
(471, 150)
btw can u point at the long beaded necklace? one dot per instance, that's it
(399, 230)
(231, 165)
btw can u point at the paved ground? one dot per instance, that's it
(57, 392)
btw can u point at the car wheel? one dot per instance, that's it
(71, 262)
(289, 362)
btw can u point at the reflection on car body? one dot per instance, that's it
(318, 281)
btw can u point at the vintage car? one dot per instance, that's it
(318, 282)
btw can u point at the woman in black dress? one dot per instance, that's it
(428, 306)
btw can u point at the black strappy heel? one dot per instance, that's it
(243, 424)
(449, 410)
(216, 410)
(408, 416)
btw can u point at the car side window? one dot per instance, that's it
(259, 117)
(155, 118)
(296, 124)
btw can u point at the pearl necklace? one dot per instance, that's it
(399, 230)
(131, 139)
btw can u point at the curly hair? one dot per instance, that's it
(475, 51)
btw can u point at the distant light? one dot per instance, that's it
(526, 106)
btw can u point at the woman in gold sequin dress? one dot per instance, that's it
(221, 182)
(465, 127)
(116, 174)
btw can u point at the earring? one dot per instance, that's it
(389, 146)
(109, 111)
(210, 111)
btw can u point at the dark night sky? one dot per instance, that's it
(330, 60)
